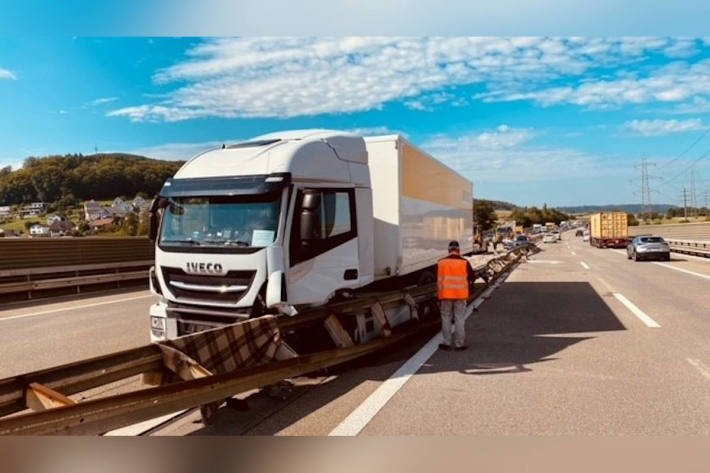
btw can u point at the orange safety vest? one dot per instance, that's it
(453, 278)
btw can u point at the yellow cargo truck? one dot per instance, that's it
(609, 230)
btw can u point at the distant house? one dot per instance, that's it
(34, 209)
(54, 218)
(39, 230)
(7, 233)
(102, 223)
(141, 205)
(61, 228)
(121, 204)
(94, 211)
(5, 211)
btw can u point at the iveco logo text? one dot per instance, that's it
(214, 268)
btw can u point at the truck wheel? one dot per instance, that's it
(667, 258)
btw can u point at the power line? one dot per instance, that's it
(707, 130)
(676, 176)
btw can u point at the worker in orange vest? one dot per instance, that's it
(455, 274)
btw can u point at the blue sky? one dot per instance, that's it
(561, 121)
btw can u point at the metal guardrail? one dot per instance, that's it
(100, 415)
(691, 247)
(32, 283)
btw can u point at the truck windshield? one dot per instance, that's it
(243, 221)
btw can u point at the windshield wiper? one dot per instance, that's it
(184, 242)
(236, 242)
(228, 242)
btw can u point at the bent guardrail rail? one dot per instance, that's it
(38, 402)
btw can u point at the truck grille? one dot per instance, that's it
(202, 288)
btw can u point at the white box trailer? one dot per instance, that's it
(293, 219)
(419, 205)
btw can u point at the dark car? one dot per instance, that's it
(648, 247)
(579, 233)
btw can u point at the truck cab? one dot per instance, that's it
(261, 226)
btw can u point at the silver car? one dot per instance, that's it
(648, 247)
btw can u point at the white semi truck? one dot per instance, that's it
(294, 219)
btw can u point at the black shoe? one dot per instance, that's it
(443, 346)
(461, 348)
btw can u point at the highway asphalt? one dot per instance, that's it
(578, 340)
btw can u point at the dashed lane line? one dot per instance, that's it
(75, 307)
(642, 316)
(585, 265)
(697, 364)
(573, 253)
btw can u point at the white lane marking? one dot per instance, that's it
(573, 253)
(697, 364)
(665, 265)
(648, 321)
(365, 412)
(585, 265)
(64, 309)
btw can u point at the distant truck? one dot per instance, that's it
(609, 230)
(549, 226)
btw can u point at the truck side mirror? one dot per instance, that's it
(154, 216)
(311, 200)
(307, 225)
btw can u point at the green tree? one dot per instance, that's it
(483, 215)
(129, 224)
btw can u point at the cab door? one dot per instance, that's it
(323, 245)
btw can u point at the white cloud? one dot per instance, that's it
(696, 105)
(470, 155)
(663, 127)
(7, 74)
(504, 137)
(102, 101)
(675, 82)
(682, 48)
(286, 77)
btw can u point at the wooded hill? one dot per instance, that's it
(77, 177)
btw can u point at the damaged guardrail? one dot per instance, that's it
(206, 368)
